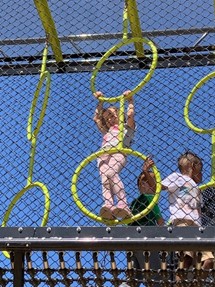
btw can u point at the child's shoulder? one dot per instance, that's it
(173, 176)
(176, 175)
(175, 180)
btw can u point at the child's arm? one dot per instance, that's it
(98, 113)
(130, 111)
(146, 169)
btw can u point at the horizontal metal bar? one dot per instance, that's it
(75, 66)
(110, 231)
(156, 33)
(108, 244)
(107, 238)
(168, 52)
(108, 36)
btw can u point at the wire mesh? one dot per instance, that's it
(78, 34)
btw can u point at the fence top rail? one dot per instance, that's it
(107, 238)
(107, 231)
(108, 36)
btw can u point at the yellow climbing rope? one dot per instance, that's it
(111, 51)
(133, 17)
(121, 100)
(211, 131)
(49, 27)
(32, 137)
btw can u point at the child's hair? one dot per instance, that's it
(140, 178)
(188, 158)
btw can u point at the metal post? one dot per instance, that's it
(18, 280)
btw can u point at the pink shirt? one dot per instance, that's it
(111, 137)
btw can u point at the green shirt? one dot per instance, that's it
(139, 204)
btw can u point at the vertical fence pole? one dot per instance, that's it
(18, 280)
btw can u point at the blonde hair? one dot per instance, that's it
(188, 159)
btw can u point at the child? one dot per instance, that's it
(147, 191)
(110, 165)
(154, 217)
(185, 200)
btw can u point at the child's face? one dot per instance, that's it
(111, 117)
(145, 187)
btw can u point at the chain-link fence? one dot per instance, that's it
(54, 55)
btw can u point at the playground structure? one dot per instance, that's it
(168, 70)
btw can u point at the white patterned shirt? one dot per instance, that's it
(185, 197)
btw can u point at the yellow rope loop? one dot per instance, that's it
(18, 196)
(119, 148)
(111, 51)
(188, 101)
(44, 58)
(44, 75)
(130, 12)
(32, 136)
(97, 218)
(196, 129)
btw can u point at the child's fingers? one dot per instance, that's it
(98, 94)
(126, 93)
(148, 162)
